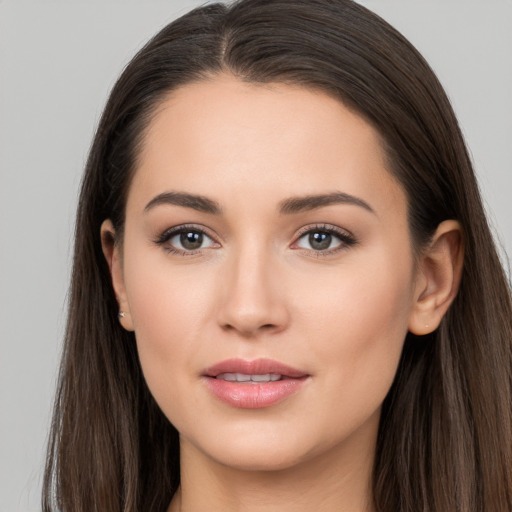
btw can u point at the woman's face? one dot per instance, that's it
(265, 239)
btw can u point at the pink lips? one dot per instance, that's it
(262, 390)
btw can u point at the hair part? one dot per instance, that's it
(446, 425)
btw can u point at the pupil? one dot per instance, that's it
(320, 241)
(191, 240)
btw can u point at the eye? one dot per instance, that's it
(324, 239)
(188, 240)
(185, 240)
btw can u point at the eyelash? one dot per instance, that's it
(347, 239)
(169, 234)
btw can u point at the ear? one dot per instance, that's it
(112, 253)
(439, 273)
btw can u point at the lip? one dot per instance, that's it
(253, 395)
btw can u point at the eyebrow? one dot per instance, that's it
(288, 206)
(199, 203)
(305, 203)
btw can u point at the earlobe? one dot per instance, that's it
(111, 251)
(439, 274)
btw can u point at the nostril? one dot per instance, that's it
(249, 329)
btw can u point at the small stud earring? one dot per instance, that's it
(121, 314)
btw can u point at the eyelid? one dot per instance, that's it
(346, 237)
(171, 232)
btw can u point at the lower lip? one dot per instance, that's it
(253, 396)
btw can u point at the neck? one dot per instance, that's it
(339, 480)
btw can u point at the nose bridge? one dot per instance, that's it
(252, 298)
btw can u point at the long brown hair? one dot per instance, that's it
(445, 437)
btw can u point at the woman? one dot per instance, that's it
(285, 294)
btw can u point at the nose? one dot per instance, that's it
(253, 296)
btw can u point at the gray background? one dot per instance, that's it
(58, 60)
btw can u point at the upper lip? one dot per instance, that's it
(254, 367)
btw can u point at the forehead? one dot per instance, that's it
(231, 138)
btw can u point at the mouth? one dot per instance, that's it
(253, 384)
(258, 369)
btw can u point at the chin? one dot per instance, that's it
(260, 460)
(262, 451)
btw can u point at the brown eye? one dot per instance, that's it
(320, 241)
(324, 240)
(191, 240)
(184, 240)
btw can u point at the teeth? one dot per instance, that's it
(268, 377)
(241, 377)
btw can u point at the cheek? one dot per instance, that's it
(358, 324)
(169, 308)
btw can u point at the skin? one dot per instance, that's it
(258, 288)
